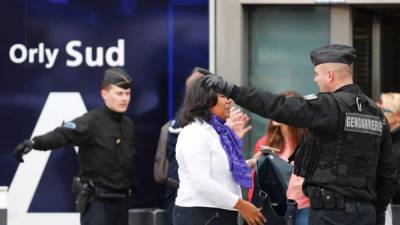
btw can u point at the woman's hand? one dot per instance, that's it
(238, 122)
(250, 213)
(251, 163)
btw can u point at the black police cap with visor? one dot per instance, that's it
(118, 77)
(334, 53)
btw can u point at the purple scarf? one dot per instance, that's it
(232, 146)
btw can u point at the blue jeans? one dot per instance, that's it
(302, 216)
(170, 195)
(203, 216)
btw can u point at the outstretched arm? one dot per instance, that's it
(314, 112)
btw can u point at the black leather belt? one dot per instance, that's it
(321, 198)
(105, 193)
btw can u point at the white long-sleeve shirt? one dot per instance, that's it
(205, 178)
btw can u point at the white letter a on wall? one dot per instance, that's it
(59, 107)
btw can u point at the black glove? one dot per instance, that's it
(22, 149)
(217, 84)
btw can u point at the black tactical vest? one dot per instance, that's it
(346, 159)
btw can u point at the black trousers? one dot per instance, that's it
(356, 213)
(106, 212)
(204, 216)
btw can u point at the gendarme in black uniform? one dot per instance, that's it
(347, 158)
(106, 154)
(106, 151)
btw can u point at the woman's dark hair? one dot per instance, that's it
(196, 104)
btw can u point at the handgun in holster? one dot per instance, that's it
(84, 194)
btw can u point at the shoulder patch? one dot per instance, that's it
(70, 125)
(173, 123)
(310, 97)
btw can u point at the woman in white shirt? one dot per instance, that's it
(211, 167)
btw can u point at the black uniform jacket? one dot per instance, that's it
(320, 113)
(106, 147)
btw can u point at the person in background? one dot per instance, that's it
(106, 155)
(347, 157)
(286, 138)
(390, 105)
(211, 166)
(238, 121)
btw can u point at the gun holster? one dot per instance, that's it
(84, 194)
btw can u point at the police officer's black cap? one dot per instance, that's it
(118, 77)
(334, 53)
